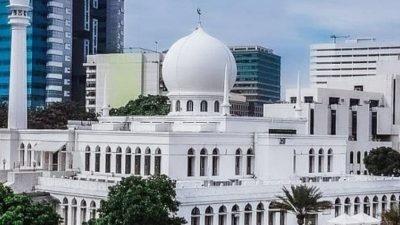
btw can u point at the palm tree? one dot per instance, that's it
(391, 217)
(302, 201)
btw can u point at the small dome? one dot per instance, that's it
(195, 66)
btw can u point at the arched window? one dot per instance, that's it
(22, 154)
(157, 162)
(260, 214)
(87, 158)
(375, 204)
(74, 211)
(215, 162)
(64, 206)
(222, 215)
(191, 163)
(384, 203)
(138, 157)
(93, 210)
(29, 155)
(311, 161)
(108, 159)
(216, 106)
(321, 161)
(238, 162)
(203, 106)
(366, 206)
(358, 157)
(247, 214)
(97, 159)
(351, 157)
(118, 161)
(357, 204)
(83, 211)
(195, 219)
(147, 162)
(235, 215)
(338, 207)
(128, 160)
(250, 162)
(393, 202)
(209, 216)
(330, 160)
(178, 106)
(347, 206)
(189, 106)
(203, 162)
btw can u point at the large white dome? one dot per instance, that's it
(195, 66)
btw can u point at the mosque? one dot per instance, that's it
(228, 169)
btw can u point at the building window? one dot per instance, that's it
(203, 162)
(191, 163)
(92, 210)
(147, 162)
(138, 157)
(357, 205)
(354, 102)
(195, 218)
(157, 162)
(330, 160)
(203, 106)
(347, 205)
(178, 106)
(366, 206)
(108, 160)
(215, 162)
(235, 216)
(374, 125)
(86, 47)
(293, 100)
(311, 121)
(334, 100)
(222, 215)
(87, 158)
(351, 157)
(338, 207)
(87, 15)
(118, 161)
(250, 162)
(359, 88)
(358, 157)
(189, 106)
(333, 122)
(216, 106)
(83, 210)
(354, 125)
(97, 160)
(96, 4)
(320, 160)
(311, 161)
(128, 160)
(95, 36)
(209, 216)
(260, 214)
(238, 162)
(384, 203)
(248, 214)
(308, 99)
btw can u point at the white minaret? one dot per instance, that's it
(17, 103)
(226, 107)
(106, 106)
(298, 108)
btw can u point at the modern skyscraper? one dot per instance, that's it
(259, 76)
(98, 27)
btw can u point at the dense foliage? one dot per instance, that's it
(383, 161)
(138, 201)
(55, 116)
(302, 201)
(19, 209)
(151, 105)
(391, 216)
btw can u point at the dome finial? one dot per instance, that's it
(199, 13)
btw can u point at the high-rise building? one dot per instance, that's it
(98, 27)
(353, 60)
(258, 76)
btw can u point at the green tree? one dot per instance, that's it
(302, 201)
(391, 217)
(19, 209)
(383, 161)
(151, 105)
(138, 201)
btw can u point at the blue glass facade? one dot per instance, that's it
(259, 74)
(37, 47)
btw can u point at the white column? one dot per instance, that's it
(78, 215)
(123, 163)
(17, 104)
(69, 222)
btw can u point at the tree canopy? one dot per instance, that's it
(383, 161)
(19, 209)
(54, 116)
(151, 105)
(391, 216)
(302, 201)
(138, 201)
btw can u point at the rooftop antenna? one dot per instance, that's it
(199, 13)
(334, 37)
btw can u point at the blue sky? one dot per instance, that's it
(286, 26)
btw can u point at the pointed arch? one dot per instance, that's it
(128, 160)
(215, 162)
(250, 162)
(330, 161)
(203, 162)
(97, 159)
(157, 162)
(238, 161)
(321, 160)
(191, 162)
(118, 160)
(189, 106)
(216, 106)
(311, 161)
(138, 163)
(147, 161)
(87, 158)
(108, 159)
